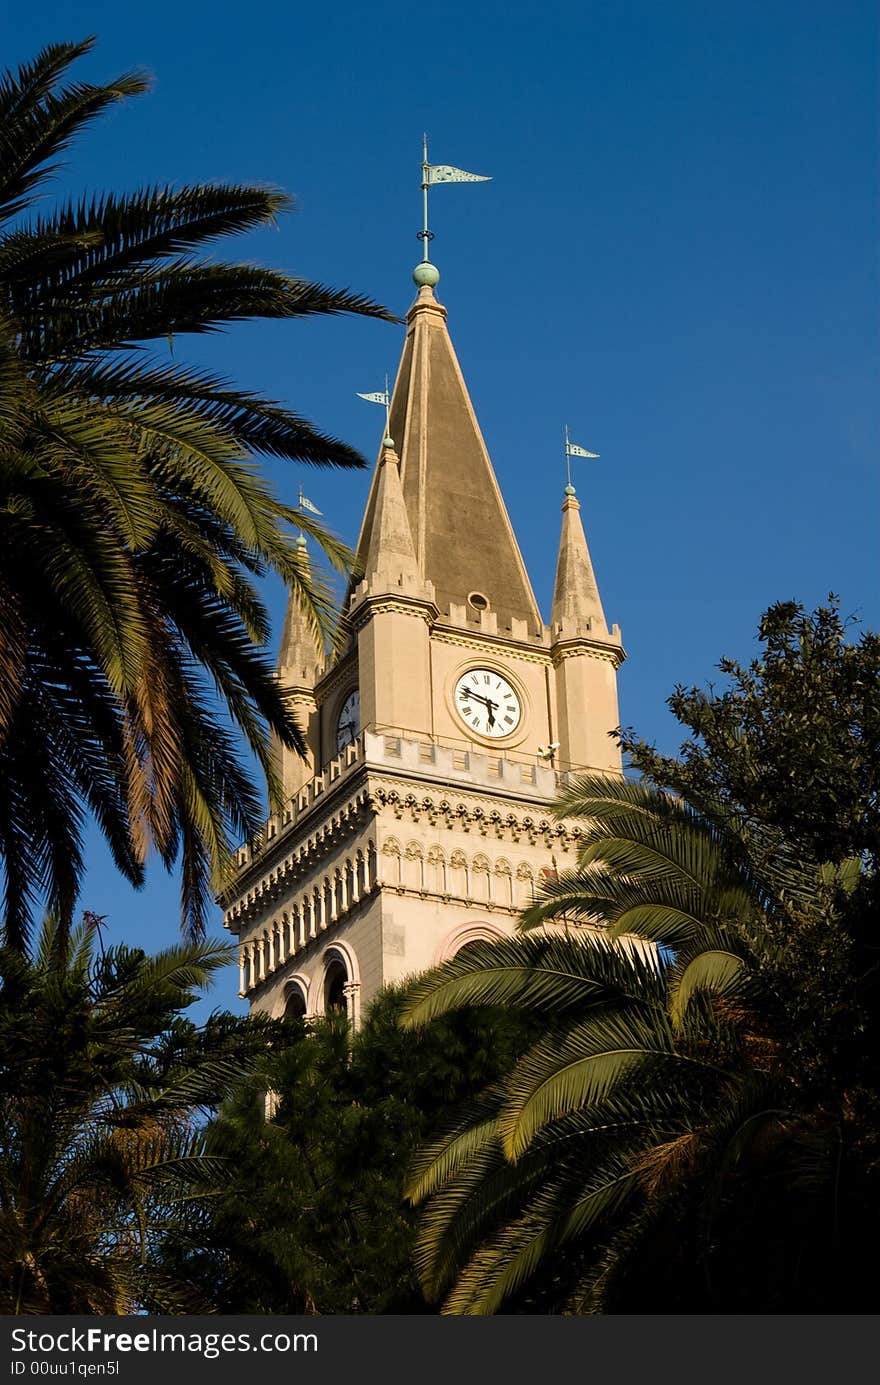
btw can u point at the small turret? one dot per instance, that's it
(300, 663)
(585, 652)
(390, 559)
(300, 657)
(577, 606)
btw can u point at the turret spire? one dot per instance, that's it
(300, 664)
(301, 655)
(577, 606)
(389, 557)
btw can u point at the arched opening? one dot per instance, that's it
(335, 982)
(295, 1004)
(465, 936)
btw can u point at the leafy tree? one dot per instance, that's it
(133, 517)
(102, 1086)
(312, 1218)
(793, 743)
(699, 1128)
(787, 757)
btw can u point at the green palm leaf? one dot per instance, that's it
(133, 517)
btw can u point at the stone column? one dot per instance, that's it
(352, 992)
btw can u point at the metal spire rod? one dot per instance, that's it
(425, 235)
(567, 457)
(439, 173)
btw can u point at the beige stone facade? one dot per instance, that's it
(411, 833)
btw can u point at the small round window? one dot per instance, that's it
(478, 601)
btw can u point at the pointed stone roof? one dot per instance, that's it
(300, 656)
(460, 529)
(577, 606)
(390, 557)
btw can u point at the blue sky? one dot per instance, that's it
(676, 256)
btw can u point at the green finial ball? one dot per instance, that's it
(569, 490)
(426, 275)
(301, 543)
(387, 441)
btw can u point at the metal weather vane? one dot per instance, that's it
(306, 506)
(572, 450)
(432, 174)
(380, 397)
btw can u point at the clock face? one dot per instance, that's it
(348, 723)
(487, 704)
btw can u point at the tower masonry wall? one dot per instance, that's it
(423, 849)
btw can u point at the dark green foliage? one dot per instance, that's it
(789, 757)
(104, 1086)
(313, 1218)
(793, 744)
(699, 1129)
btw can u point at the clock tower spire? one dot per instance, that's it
(440, 737)
(463, 538)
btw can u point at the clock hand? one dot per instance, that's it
(487, 701)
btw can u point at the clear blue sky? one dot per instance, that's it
(676, 256)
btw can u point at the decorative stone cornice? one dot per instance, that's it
(613, 654)
(443, 807)
(313, 838)
(471, 813)
(491, 644)
(364, 608)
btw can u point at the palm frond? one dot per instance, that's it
(35, 131)
(540, 974)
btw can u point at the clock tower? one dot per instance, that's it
(422, 819)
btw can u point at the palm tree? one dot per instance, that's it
(101, 1081)
(133, 517)
(681, 1138)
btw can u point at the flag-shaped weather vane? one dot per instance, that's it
(433, 174)
(304, 504)
(572, 450)
(381, 397)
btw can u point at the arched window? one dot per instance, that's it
(415, 866)
(458, 874)
(335, 982)
(295, 1004)
(503, 883)
(392, 866)
(480, 879)
(525, 884)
